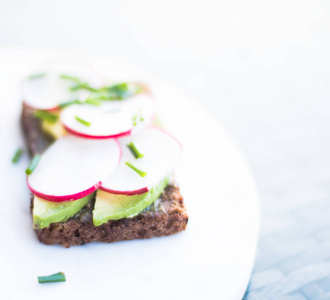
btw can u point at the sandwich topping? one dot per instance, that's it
(106, 146)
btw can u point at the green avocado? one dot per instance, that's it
(55, 130)
(47, 212)
(113, 207)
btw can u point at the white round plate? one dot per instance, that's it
(212, 259)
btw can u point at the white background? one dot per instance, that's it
(241, 59)
(262, 67)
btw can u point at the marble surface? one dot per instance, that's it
(262, 68)
(292, 171)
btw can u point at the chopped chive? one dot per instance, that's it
(114, 92)
(68, 103)
(141, 173)
(82, 121)
(135, 152)
(46, 116)
(17, 156)
(70, 77)
(93, 101)
(33, 164)
(35, 76)
(57, 277)
(121, 91)
(117, 92)
(105, 97)
(82, 86)
(137, 119)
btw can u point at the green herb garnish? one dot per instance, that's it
(135, 152)
(68, 103)
(35, 76)
(88, 101)
(83, 86)
(46, 116)
(79, 83)
(17, 156)
(92, 101)
(33, 164)
(82, 121)
(99, 97)
(70, 77)
(118, 91)
(124, 90)
(57, 277)
(141, 173)
(137, 119)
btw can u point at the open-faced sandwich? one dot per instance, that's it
(102, 167)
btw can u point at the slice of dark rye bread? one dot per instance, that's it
(165, 216)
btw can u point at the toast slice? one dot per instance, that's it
(166, 216)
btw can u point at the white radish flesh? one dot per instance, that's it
(160, 150)
(110, 119)
(48, 91)
(72, 168)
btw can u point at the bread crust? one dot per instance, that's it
(164, 217)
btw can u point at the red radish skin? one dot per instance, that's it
(104, 160)
(96, 136)
(122, 134)
(166, 132)
(145, 188)
(55, 108)
(117, 125)
(67, 198)
(128, 193)
(78, 195)
(33, 107)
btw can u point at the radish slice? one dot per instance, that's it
(73, 168)
(45, 89)
(111, 118)
(160, 152)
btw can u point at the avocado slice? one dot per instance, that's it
(47, 212)
(113, 207)
(55, 130)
